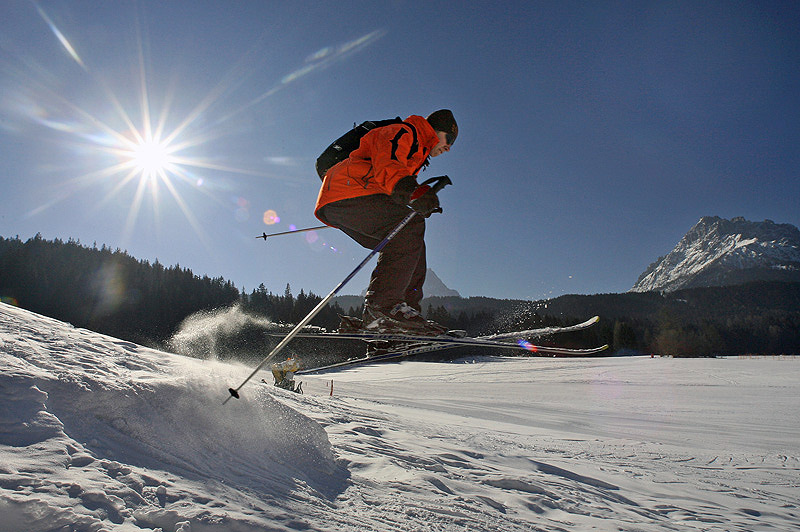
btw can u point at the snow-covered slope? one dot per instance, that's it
(718, 252)
(97, 434)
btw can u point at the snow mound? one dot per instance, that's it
(151, 429)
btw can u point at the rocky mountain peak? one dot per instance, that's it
(435, 287)
(718, 252)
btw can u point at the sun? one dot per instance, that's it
(155, 151)
(151, 158)
(148, 151)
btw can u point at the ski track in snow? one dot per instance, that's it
(101, 434)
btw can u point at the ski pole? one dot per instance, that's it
(265, 235)
(440, 183)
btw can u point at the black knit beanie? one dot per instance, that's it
(443, 120)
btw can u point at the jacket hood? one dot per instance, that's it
(425, 131)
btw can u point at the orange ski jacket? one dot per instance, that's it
(385, 156)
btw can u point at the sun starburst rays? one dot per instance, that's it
(132, 143)
(126, 143)
(146, 154)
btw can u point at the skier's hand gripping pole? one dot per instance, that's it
(437, 184)
(424, 199)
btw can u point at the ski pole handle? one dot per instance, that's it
(438, 184)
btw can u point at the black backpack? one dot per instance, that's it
(342, 147)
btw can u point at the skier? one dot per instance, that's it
(369, 193)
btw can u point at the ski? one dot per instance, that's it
(428, 344)
(411, 338)
(400, 353)
(502, 340)
(544, 331)
(454, 340)
(420, 348)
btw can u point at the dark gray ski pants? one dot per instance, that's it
(400, 272)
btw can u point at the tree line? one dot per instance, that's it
(113, 293)
(760, 317)
(105, 290)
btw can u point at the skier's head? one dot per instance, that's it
(444, 123)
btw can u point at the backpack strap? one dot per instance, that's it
(414, 143)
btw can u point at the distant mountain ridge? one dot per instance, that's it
(720, 252)
(433, 287)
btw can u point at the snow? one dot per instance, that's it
(101, 434)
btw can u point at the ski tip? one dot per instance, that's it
(593, 319)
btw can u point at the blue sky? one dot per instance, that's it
(593, 135)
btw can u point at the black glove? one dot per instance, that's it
(426, 204)
(401, 194)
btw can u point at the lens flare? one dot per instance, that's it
(60, 36)
(271, 217)
(109, 288)
(527, 345)
(9, 300)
